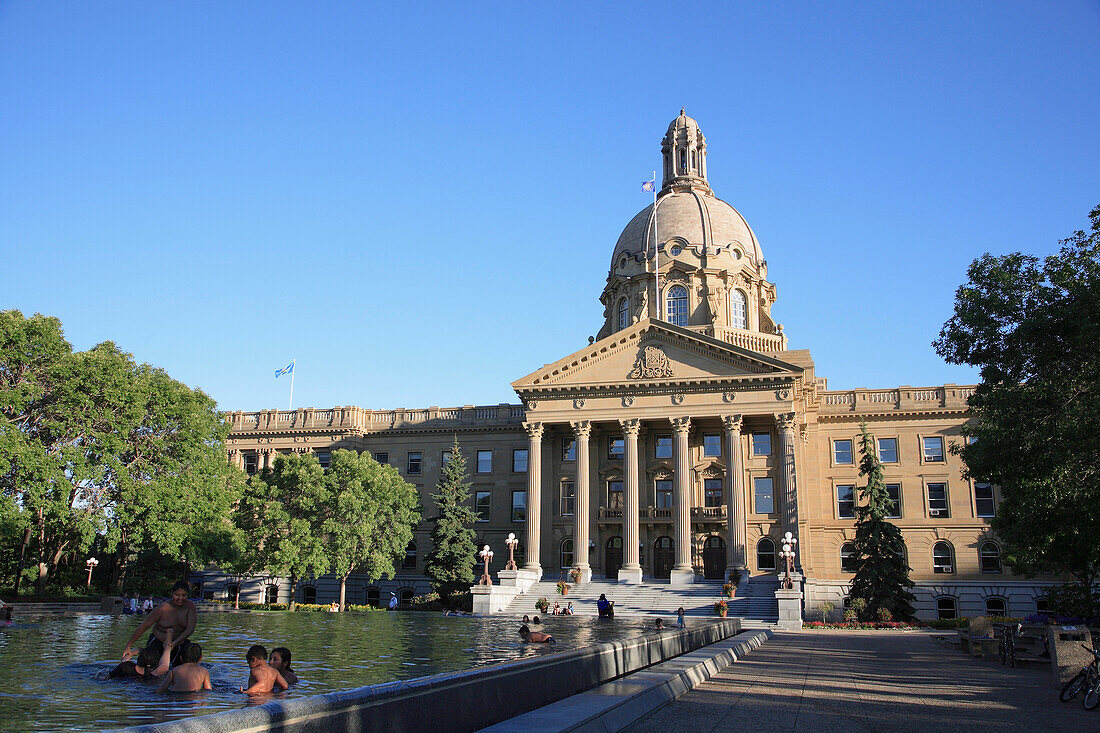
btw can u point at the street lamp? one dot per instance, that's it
(486, 554)
(787, 553)
(92, 562)
(512, 543)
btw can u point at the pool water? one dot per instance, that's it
(53, 670)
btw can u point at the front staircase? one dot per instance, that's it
(754, 602)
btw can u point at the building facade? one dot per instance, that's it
(683, 441)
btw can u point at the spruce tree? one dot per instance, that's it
(449, 564)
(882, 573)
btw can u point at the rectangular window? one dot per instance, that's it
(484, 461)
(894, 490)
(984, 505)
(568, 499)
(482, 505)
(937, 500)
(519, 460)
(412, 467)
(663, 447)
(712, 446)
(842, 452)
(888, 450)
(568, 449)
(933, 450)
(616, 448)
(324, 458)
(663, 493)
(382, 458)
(614, 494)
(761, 444)
(762, 488)
(712, 492)
(251, 461)
(445, 458)
(519, 506)
(846, 502)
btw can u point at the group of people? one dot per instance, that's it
(132, 604)
(170, 653)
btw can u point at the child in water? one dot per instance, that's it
(280, 660)
(535, 637)
(147, 664)
(262, 677)
(189, 676)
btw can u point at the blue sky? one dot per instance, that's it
(419, 201)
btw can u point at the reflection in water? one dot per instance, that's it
(53, 670)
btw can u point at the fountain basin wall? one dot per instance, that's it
(462, 701)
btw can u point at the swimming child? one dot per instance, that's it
(280, 660)
(535, 637)
(148, 663)
(262, 677)
(189, 676)
(660, 624)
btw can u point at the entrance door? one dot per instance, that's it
(613, 557)
(662, 557)
(714, 558)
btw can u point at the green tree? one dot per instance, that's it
(449, 564)
(282, 515)
(1033, 328)
(370, 518)
(882, 573)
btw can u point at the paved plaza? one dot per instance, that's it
(869, 681)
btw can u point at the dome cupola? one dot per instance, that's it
(685, 156)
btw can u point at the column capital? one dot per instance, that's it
(732, 423)
(680, 424)
(534, 430)
(631, 426)
(785, 420)
(582, 429)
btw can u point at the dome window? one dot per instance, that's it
(624, 313)
(683, 161)
(678, 306)
(738, 311)
(676, 250)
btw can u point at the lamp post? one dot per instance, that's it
(486, 554)
(512, 543)
(92, 562)
(787, 553)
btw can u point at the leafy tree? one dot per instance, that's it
(1033, 328)
(882, 574)
(370, 517)
(449, 564)
(281, 514)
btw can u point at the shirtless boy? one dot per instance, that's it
(148, 663)
(535, 637)
(262, 677)
(177, 615)
(189, 676)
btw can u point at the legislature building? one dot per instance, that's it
(681, 443)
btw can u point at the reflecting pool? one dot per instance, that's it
(53, 669)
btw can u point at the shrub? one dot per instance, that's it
(883, 614)
(826, 608)
(859, 605)
(849, 615)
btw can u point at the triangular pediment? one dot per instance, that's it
(655, 352)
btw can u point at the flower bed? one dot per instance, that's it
(862, 625)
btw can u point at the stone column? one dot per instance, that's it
(786, 423)
(582, 431)
(534, 496)
(631, 571)
(735, 500)
(682, 572)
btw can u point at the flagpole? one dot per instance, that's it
(656, 254)
(293, 364)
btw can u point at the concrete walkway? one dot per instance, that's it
(849, 681)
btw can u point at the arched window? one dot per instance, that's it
(765, 554)
(693, 160)
(374, 597)
(309, 594)
(945, 607)
(271, 594)
(406, 595)
(990, 556)
(996, 607)
(683, 161)
(624, 313)
(738, 311)
(848, 557)
(565, 556)
(678, 305)
(941, 558)
(409, 562)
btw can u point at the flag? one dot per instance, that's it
(649, 186)
(285, 370)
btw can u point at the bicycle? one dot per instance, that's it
(1087, 681)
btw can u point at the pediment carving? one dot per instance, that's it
(652, 363)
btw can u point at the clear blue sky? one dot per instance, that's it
(419, 201)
